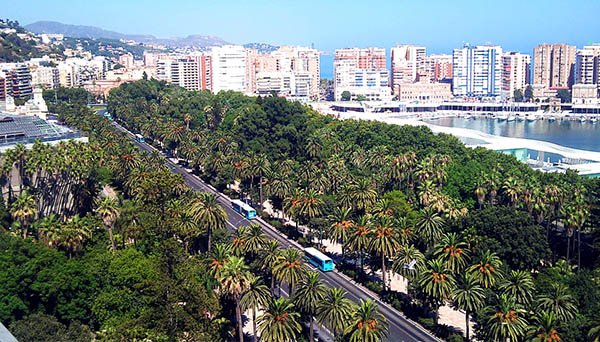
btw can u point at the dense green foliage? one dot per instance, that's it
(101, 238)
(329, 173)
(14, 48)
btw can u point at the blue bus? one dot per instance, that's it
(318, 259)
(139, 138)
(108, 116)
(244, 209)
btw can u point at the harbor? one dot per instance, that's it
(550, 141)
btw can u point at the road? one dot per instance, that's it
(401, 329)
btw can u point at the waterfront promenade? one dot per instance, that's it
(475, 138)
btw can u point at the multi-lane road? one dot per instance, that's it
(401, 329)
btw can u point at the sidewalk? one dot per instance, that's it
(447, 314)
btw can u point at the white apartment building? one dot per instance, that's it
(587, 65)
(74, 72)
(44, 76)
(477, 71)
(299, 65)
(362, 72)
(516, 73)
(408, 64)
(229, 68)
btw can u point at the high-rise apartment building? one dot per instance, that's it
(189, 72)
(362, 73)
(229, 68)
(407, 64)
(477, 71)
(515, 73)
(45, 76)
(439, 68)
(289, 71)
(17, 80)
(126, 60)
(587, 65)
(553, 66)
(2, 86)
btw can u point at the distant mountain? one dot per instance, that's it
(195, 40)
(261, 47)
(91, 32)
(81, 31)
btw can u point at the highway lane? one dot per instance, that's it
(401, 329)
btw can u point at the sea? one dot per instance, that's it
(569, 133)
(327, 66)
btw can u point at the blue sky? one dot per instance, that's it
(439, 25)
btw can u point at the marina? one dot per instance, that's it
(549, 141)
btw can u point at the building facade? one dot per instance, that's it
(424, 92)
(587, 65)
(407, 64)
(515, 73)
(229, 68)
(362, 73)
(291, 71)
(439, 68)
(17, 80)
(553, 66)
(477, 71)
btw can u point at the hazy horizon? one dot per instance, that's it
(438, 25)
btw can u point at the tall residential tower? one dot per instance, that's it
(362, 73)
(477, 71)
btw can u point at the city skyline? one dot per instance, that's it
(517, 26)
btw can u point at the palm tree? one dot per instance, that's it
(293, 204)
(219, 256)
(235, 280)
(256, 297)
(289, 268)
(560, 302)
(430, 226)
(544, 328)
(340, 226)
(360, 237)
(486, 269)
(279, 323)
(238, 243)
(108, 210)
(309, 295)
(363, 194)
(384, 243)
(505, 320)
(367, 324)
(518, 285)
(260, 166)
(208, 213)
(74, 233)
(468, 296)
(269, 256)
(255, 239)
(437, 282)
(24, 209)
(409, 263)
(311, 206)
(512, 190)
(480, 192)
(335, 311)
(453, 251)
(279, 185)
